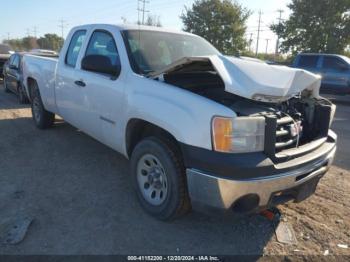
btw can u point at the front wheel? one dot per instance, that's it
(159, 179)
(42, 118)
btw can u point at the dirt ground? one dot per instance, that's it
(322, 222)
(79, 195)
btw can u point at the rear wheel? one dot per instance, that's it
(42, 118)
(159, 179)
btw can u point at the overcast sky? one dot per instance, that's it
(22, 17)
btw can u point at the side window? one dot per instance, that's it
(11, 59)
(102, 43)
(74, 47)
(16, 61)
(308, 61)
(334, 63)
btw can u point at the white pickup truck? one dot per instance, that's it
(201, 129)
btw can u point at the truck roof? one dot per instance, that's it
(324, 54)
(122, 27)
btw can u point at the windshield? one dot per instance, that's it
(150, 51)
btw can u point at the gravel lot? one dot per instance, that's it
(79, 194)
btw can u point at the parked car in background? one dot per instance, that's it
(44, 52)
(334, 69)
(13, 80)
(5, 53)
(13, 74)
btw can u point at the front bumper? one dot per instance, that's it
(295, 179)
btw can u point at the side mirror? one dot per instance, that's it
(100, 64)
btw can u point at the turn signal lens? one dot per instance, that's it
(222, 134)
(239, 134)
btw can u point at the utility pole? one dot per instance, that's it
(142, 9)
(8, 36)
(35, 31)
(278, 38)
(267, 45)
(28, 32)
(138, 12)
(250, 42)
(62, 25)
(257, 41)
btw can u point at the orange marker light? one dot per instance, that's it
(222, 134)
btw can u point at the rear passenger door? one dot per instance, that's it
(70, 98)
(335, 72)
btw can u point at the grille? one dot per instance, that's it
(284, 133)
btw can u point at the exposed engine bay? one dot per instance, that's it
(289, 124)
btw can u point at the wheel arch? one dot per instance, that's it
(30, 81)
(138, 129)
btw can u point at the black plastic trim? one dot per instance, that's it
(246, 166)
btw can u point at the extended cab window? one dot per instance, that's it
(74, 47)
(15, 61)
(102, 43)
(11, 59)
(308, 61)
(334, 63)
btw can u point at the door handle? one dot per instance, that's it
(80, 83)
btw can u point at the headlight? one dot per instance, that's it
(238, 135)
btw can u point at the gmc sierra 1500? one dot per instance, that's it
(200, 129)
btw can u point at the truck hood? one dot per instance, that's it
(250, 79)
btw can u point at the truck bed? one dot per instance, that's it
(43, 70)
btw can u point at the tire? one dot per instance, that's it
(5, 86)
(165, 173)
(43, 119)
(22, 97)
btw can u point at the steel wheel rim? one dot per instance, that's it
(152, 180)
(36, 109)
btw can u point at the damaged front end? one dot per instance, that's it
(297, 118)
(244, 78)
(277, 146)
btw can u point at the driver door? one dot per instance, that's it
(12, 74)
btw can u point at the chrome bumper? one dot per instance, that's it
(208, 190)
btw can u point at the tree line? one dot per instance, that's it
(313, 26)
(48, 41)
